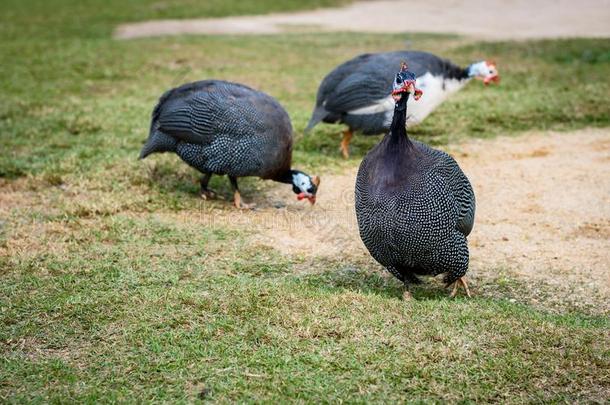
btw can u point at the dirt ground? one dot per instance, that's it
(482, 19)
(543, 214)
(543, 210)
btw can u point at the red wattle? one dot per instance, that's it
(495, 79)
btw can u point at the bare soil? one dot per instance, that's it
(543, 215)
(482, 19)
(543, 210)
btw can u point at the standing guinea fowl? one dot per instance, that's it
(219, 127)
(356, 93)
(414, 204)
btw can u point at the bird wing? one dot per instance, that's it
(462, 193)
(458, 184)
(361, 89)
(198, 113)
(368, 78)
(421, 63)
(357, 83)
(337, 75)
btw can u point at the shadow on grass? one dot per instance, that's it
(498, 286)
(168, 175)
(369, 282)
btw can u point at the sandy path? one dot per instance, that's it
(543, 210)
(485, 19)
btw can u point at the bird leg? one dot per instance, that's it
(462, 281)
(347, 137)
(205, 192)
(237, 196)
(406, 295)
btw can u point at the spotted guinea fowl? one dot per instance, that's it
(414, 204)
(220, 127)
(356, 93)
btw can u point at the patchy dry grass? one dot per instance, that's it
(117, 307)
(109, 293)
(145, 305)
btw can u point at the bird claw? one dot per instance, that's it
(344, 151)
(244, 206)
(207, 194)
(240, 204)
(462, 281)
(454, 290)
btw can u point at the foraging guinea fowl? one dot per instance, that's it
(219, 127)
(356, 93)
(414, 204)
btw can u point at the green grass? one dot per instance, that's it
(113, 289)
(73, 105)
(163, 311)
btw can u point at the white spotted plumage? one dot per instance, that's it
(414, 206)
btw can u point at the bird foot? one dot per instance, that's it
(456, 283)
(244, 206)
(207, 194)
(240, 204)
(344, 151)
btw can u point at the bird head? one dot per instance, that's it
(404, 83)
(305, 186)
(487, 71)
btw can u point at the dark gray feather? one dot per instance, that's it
(366, 79)
(223, 128)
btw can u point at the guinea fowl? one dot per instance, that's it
(219, 127)
(414, 205)
(356, 93)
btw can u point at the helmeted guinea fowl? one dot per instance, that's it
(356, 93)
(220, 127)
(414, 205)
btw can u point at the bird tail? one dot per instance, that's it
(319, 113)
(147, 149)
(157, 142)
